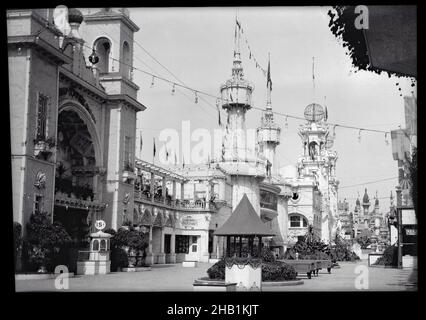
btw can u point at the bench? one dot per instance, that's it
(321, 264)
(303, 266)
(326, 264)
(189, 264)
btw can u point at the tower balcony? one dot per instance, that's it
(236, 92)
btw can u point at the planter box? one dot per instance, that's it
(189, 264)
(93, 267)
(246, 277)
(213, 285)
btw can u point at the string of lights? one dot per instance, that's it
(198, 92)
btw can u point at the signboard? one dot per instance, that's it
(408, 216)
(188, 222)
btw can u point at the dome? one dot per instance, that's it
(75, 16)
(358, 203)
(289, 172)
(365, 199)
(314, 112)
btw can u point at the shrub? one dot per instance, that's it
(44, 239)
(389, 258)
(17, 237)
(277, 271)
(271, 271)
(119, 259)
(217, 271)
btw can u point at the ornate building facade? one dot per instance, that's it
(73, 106)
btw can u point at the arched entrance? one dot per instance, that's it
(76, 181)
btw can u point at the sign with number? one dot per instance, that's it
(100, 224)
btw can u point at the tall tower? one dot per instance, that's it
(238, 158)
(319, 162)
(366, 203)
(268, 134)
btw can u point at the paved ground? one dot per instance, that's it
(176, 278)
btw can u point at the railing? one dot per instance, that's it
(179, 204)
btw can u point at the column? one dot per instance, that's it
(95, 187)
(152, 189)
(149, 256)
(203, 244)
(214, 254)
(174, 190)
(164, 189)
(208, 195)
(172, 257)
(182, 190)
(161, 255)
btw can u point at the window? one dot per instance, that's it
(182, 244)
(38, 203)
(41, 116)
(297, 221)
(103, 50)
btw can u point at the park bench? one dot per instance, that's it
(326, 264)
(303, 266)
(321, 264)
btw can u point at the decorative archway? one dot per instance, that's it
(86, 122)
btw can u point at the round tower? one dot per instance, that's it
(268, 134)
(238, 157)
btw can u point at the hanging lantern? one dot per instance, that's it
(286, 123)
(196, 97)
(173, 89)
(93, 58)
(152, 82)
(334, 131)
(386, 139)
(359, 135)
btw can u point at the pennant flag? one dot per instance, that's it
(183, 161)
(154, 148)
(167, 154)
(269, 81)
(208, 159)
(326, 113)
(175, 159)
(220, 121)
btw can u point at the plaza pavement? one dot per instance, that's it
(174, 277)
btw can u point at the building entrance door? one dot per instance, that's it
(194, 250)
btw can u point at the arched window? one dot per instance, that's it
(125, 66)
(95, 245)
(298, 221)
(103, 50)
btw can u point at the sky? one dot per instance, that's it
(196, 45)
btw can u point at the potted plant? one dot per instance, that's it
(44, 239)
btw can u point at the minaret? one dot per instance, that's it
(238, 157)
(366, 203)
(268, 134)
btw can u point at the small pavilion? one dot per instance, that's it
(244, 223)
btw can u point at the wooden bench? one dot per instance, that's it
(303, 266)
(321, 264)
(326, 264)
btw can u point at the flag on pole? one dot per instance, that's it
(183, 161)
(269, 81)
(154, 148)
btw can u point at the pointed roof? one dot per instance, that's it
(244, 221)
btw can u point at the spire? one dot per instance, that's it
(376, 202)
(237, 69)
(269, 85)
